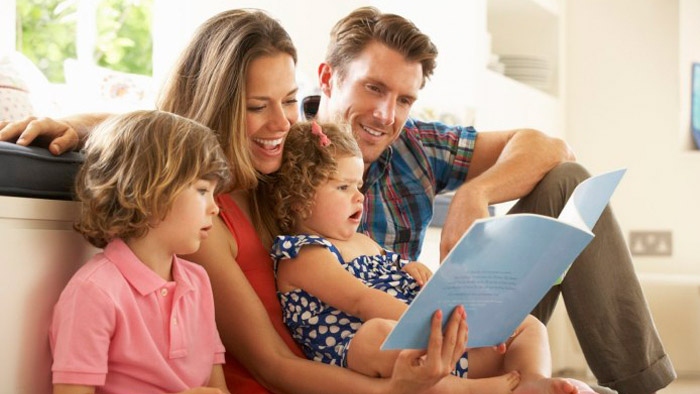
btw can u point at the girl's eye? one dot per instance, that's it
(255, 108)
(291, 101)
(343, 187)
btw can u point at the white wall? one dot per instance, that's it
(623, 110)
(7, 19)
(310, 21)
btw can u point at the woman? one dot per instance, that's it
(237, 77)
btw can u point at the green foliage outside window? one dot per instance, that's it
(124, 36)
(46, 34)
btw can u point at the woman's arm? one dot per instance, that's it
(59, 135)
(249, 336)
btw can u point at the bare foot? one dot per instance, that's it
(583, 388)
(552, 386)
(495, 385)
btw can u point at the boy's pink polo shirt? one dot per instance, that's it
(120, 326)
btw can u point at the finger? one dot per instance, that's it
(454, 337)
(462, 336)
(12, 130)
(65, 142)
(435, 342)
(419, 279)
(501, 348)
(32, 128)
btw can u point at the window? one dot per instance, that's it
(96, 54)
(115, 34)
(46, 34)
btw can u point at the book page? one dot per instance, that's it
(590, 198)
(502, 267)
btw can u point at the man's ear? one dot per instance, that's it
(325, 77)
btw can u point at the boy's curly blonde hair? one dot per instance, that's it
(135, 166)
(306, 164)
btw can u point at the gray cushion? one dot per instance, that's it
(34, 172)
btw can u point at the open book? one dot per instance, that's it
(503, 266)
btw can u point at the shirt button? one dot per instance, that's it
(163, 292)
(174, 321)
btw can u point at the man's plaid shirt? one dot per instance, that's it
(427, 159)
(400, 187)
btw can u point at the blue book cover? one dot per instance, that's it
(502, 266)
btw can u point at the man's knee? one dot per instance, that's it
(551, 193)
(565, 176)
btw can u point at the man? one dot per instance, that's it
(375, 66)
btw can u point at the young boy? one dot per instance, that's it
(136, 318)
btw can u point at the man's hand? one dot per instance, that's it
(57, 135)
(418, 271)
(467, 206)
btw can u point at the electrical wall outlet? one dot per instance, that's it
(651, 243)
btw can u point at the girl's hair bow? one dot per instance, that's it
(322, 137)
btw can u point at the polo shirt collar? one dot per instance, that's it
(138, 274)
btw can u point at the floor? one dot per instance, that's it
(684, 385)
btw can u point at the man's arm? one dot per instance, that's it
(59, 135)
(505, 166)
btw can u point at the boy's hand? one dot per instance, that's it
(419, 271)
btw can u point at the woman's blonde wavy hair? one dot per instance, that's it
(134, 167)
(306, 165)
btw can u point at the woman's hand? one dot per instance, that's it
(416, 370)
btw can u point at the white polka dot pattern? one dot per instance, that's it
(325, 333)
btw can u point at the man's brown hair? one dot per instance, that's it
(351, 35)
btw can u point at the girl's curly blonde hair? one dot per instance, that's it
(306, 164)
(134, 167)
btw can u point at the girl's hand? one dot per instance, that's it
(418, 271)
